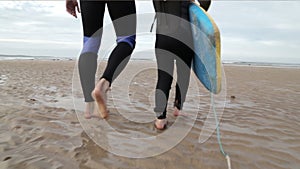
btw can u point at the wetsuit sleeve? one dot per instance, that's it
(205, 4)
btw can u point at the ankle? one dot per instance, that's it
(103, 85)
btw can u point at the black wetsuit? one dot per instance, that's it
(123, 15)
(173, 44)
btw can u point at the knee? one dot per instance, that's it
(91, 44)
(127, 39)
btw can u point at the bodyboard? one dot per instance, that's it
(207, 60)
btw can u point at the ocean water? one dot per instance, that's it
(149, 55)
(26, 57)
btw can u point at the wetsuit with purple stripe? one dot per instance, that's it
(123, 15)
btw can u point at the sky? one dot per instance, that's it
(255, 31)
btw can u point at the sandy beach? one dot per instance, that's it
(42, 127)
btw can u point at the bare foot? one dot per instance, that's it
(96, 112)
(178, 112)
(161, 124)
(99, 95)
(89, 107)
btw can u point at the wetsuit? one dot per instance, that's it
(92, 13)
(174, 44)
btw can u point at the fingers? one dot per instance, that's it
(78, 9)
(71, 6)
(72, 12)
(76, 6)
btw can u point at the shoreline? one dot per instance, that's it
(225, 63)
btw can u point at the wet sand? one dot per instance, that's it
(40, 127)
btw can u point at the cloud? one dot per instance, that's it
(258, 30)
(40, 26)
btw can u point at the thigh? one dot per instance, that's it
(92, 13)
(164, 54)
(123, 15)
(184, 57)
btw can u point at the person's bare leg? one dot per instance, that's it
(99, 95)
(176, 111)
(89, 106)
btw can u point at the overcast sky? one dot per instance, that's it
(262, 31)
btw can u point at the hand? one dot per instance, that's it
(205, 4)
(71, 6)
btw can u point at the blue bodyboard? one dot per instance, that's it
(207, 61)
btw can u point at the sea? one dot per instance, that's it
(150, 57)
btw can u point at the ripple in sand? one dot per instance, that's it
(3, 79)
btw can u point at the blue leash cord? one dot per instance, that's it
(218, 132)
